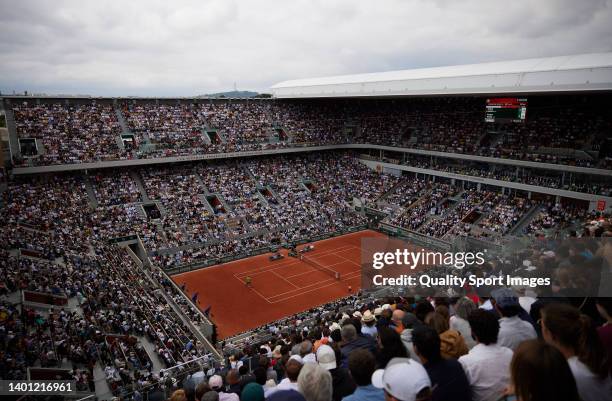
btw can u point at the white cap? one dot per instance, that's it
(326, 357)
(403, 378)
(297, 358)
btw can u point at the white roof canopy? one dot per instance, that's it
(583, 72)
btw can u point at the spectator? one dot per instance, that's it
(390, 346)
(286, 395)
(306, 352)
(604, 307)
(351, 341)
(409, 322)
(362, 365)
(512, 329)
(448, 380)
(252, 392)
(459, 321)
(178, 395)
(451, 342)
(210, 396)
(369, 324)
(403, 380)
(573, 334)
(487, 364)
(201, 389)
(292, 371)
(216, 383)
(233, 381)
(539, 372)
(315, 383)
(396, 320)
(342, 383)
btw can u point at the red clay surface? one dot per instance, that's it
(279, 288)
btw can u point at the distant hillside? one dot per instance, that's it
(232, 94)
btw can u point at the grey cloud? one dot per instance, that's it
(191, 47)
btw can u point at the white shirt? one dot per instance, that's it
(369, 331)
(590, 387)
(513, 331)
(487, 368)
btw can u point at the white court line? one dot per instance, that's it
(276, 266)
(316, 283)
(303, 287)
(300, 274)
(281, 277)
(348, 260)
(273, 272)
(314, 289)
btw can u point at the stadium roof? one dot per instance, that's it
(583, 72)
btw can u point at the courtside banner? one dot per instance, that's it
(572, 267)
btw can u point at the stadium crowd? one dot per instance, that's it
(55, 236)
(558, 130)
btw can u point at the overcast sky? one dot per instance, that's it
(183, 48)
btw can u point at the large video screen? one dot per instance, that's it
(506, 110)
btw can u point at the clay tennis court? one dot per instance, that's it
(279, 288)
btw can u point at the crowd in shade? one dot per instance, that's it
(543, 178)
(555, 129)
(199, 212)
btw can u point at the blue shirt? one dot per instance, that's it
(366, 393)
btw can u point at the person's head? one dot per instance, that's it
(252, 392)
(485, 326)
(438, 322)
(315, 383)
(422, 309)
(539, 372)
(216, 382)
(349, 333)
(232, 377)
(506, 302)
(201, 389)
(326, 357)
(292, 369)
(573, 334)
(397, 317)
(264, 361)
(391, 343)
(410, 321)
(361, 364)
(463, 307)
(178, 395)
(261, 375)
(426, 344)
(403, 380)
(305, 348)
(210, 396)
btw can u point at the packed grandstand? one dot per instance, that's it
(104, 199)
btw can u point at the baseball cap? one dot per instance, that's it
(403, 378)
(505, 297)
(297, 358)
(326, 357)
(215, 381)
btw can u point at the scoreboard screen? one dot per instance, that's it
(506, 110)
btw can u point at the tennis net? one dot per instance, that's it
(333, 273)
